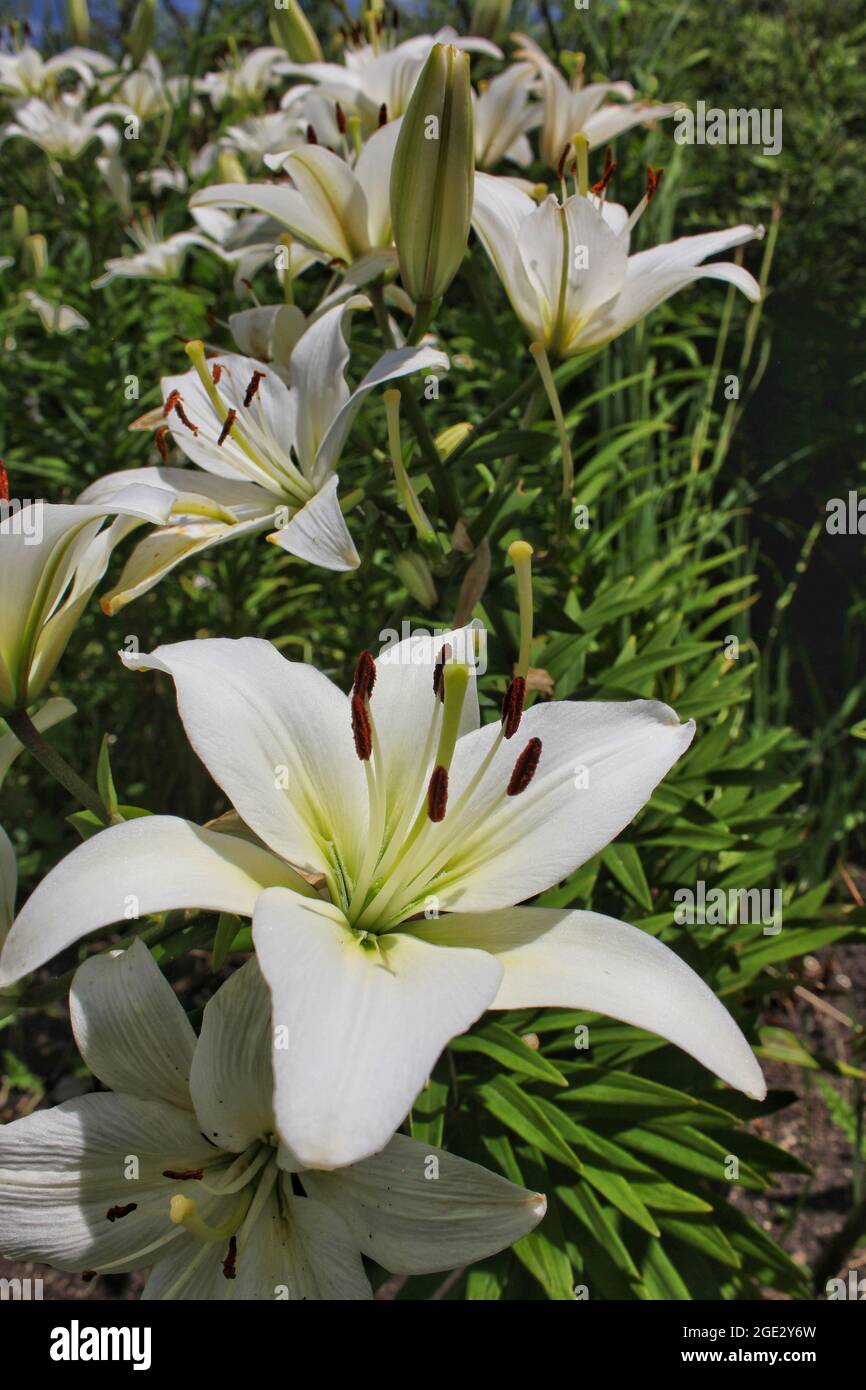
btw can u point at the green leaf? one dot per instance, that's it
(623, 861)
(523, 1114)
(501, 1045)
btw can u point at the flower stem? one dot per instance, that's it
(439, 476)
(27, 733)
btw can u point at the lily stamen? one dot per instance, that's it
(437, 794)
(525, 768)
(252, 389)
(183, 1211)
(228, 425)
(512, 706)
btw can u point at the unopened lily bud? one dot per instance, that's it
(489, 17)
(432, 176)
(20, 224)
(415, 575)
(448, 439)
(79, 20)
(141, 31)
(229, 168)
(36, 250)
(291, 29)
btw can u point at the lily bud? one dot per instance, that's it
(489, 17)
(20, 224)
(448, 439)
(141, 31)
(291, 29)
(36, 250)
(432, 176)
(79, 20)
(416, 577)
(229, 168)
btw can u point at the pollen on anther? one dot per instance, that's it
(512, 706)
(115, 1213)
(183, 1174)
(383, 115)
(253, 387)
(183, 417)
(361, 729)
(653, 179)
(4, 483)
(365, 676)
(342, 125)
(171, 401)
(437, 794)
(438, 671)
(160, 441)
(524, 768)
(227, 426)
(230, 1261)
(216, 372)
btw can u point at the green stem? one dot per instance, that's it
(497, 413)
(27, 733)
(440, 477)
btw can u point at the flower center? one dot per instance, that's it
(411, 847)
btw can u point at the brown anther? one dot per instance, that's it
(524, 768)
(312, 137)
(438, 670)
(171, 401)
(437, 794)
(183, 417)
(160, 442)
(88, 1275)
(184, 1174)
(216, 372)
(610, 168)
(227, 426)
(253, 387)
(383, 114)
(365, 676)
(653, 179)
(115, 1213)
(361, 730)
(395, 18)
(342, 124)
(560, 168)
(230, 1261)
(512, 706)
(248, 284)
(4, 483)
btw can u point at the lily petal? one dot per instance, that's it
(363, 1026)
(289, 767)
(131, 1028)
(153, 864)
(62, 1170)
(413, 1220)
(583, 960)
(318, 532)
(230, 1081)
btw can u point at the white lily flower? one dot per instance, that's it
(27, 74)
(573, 108)
(156, 258)
(144, 90)
(245, 80)
(56, 318)
(567, 270)
(215, 1204)
(503, 115)
(341, 211)
(382, 76)
(63, 128)
(268, 453)
(271, 133)
(51, 559)
(427, 830)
